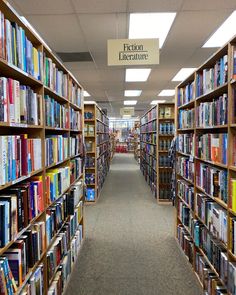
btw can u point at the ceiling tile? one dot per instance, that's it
(208, 5)
(103, 6)
(154, 5)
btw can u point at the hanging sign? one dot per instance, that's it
(127, 111)
(132, 52)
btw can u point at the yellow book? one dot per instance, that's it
(233, 181)
(55, 149)
(36, 62)
(53, 184)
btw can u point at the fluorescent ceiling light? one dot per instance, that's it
(86, 94)
(130, 102)
(137, 75)
(183, 74)
(133, 92)
(127, 116)
(90, 102)
(157, 101)
(150, 25)
(167, 92)
(224, 33)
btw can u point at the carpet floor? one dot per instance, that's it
(129, 246)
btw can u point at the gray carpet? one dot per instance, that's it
(130, 247)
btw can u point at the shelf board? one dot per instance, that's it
(212, 163)
(147, 132)
(233, 168)
(54, 94)
(20, 125)
(166, 119)
(212, 127)
(231, 211)
(213, 93)
(74, 106)
(90, 168)
(92, 152)
(22, 178)
(184, 154)
(232, 125)
(185, 129)
(18, 74)
(89, 136)
(166, 151)
(217, 200)
(189, 104)
(91, 184)
(89, 120)
(166, 135)
(75, 156)
(178, 196)
(57, 164)
(56, 129)
(188, 180)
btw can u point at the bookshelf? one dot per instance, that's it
(96, 128)
(42, 178)
(156, 134)
(206, 182)
(112, 145)
(137, 141)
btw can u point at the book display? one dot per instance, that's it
(156, 134)
(206, 171)
(41, 146)
(97, 142)
(112, 145)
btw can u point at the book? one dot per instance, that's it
(186, 119)
(57, 148)
(185, 143)
(75, 120)
(185, 94)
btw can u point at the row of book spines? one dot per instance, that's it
(211, 78)
(209, 279)
(213, 113)
(185, 168)
(19, 103)
(166, 112)
(20, 156)
(56, 114)
(212, 147)
(185, 143)
(18, 50)
(185, 94)
(186, 118)
(212, 180)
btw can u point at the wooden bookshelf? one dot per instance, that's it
(156, 134)
(70, 99)
(206, 154)
(112, 145)
(96, 126)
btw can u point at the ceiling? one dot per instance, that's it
(86, 25)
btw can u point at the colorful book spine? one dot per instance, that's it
(185, 94)
(232, 194)
(56, 114)
(212, 180)
(76, 169)
(185, 143)
(75, 120)
(57, 148)
(54, 78)
(215, 113)
(185, 168)
(212, 147)
(166, 128)
(211, 78)
(186, 119)
(75, 94)
(186, 192)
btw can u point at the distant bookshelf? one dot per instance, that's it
(97, 142)
(157, 132)
(42, 177)
(206, 174)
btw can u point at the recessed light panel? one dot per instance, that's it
(154, 102)
(224, 33)
(150, 25)
(167, 92)
(130, 102)
(133, 92)
(137, 75)
(183, 74)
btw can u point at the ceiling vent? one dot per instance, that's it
(75, 56)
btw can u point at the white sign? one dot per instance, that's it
(127, 111)
(132, 52)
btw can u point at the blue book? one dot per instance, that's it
(31, 200)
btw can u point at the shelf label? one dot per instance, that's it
(132, 52)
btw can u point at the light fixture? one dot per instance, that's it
(130, 102)
(133, 92)
(150, 25)
(167, 92)
(154, 102)
(137, 75)
(126, 116)
(183, 74)
(224, 33)
(86, 94)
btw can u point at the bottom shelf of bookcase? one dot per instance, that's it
(72, 269)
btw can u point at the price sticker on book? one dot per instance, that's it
(191, 159)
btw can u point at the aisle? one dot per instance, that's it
(129, 247)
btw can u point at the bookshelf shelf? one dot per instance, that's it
(186, 179)
(96, 139)
(212, 127)
(184, 154)
(212, 163)
(214, 93)
(33, 148)
(157, 126)
(214, 79)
